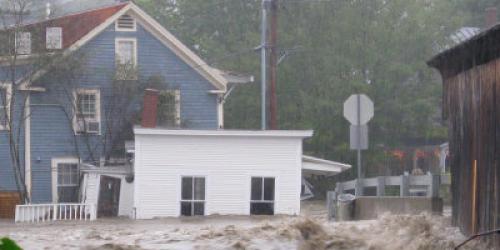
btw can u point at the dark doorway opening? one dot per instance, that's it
(109, 197)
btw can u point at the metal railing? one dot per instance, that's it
(407, 184)
(37, 213)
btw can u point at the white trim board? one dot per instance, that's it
(246, 133)
(27, 145)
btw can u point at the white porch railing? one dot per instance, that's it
(36, 213)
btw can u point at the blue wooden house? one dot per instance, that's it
(62, 120)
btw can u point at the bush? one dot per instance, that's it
(8, 244)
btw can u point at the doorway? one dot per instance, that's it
(109, 197)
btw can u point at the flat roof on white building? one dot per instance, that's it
(224, 132)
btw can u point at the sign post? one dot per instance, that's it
(358, 110)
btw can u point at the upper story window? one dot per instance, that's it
(5, 95)
(23, 43)
(126, 58)
(169, 108)
(54, 38)
(125, 23)
(88, 114)
(126, 51)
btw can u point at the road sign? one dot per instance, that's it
(361, 142)
(358, 109)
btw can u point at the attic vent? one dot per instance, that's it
(125, 23)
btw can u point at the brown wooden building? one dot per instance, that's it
(471, 104)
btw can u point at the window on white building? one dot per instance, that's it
(169, 109)
(67, 182)
(88, 106)
(54, 38)
(193, 196)
(262, 196)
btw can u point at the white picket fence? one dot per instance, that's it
(36, 213)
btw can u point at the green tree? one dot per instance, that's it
(339, 48)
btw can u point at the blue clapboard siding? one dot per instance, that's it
(7, 180)
(51, 135)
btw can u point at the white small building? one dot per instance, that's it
(201, 172)
(207, 172)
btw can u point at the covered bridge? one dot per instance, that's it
(471, 104)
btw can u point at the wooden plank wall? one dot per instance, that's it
(8, 202)
(471, 104)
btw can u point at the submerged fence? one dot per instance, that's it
(36, 213)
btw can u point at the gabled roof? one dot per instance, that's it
(82, 27)
(76, 26)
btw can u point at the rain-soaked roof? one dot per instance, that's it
(476, 50)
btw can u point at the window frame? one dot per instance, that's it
(193, 201)
(8, 88)
(55, 46)
(17, 43)
(55, 174)
(117, 27)
(177, 100)
(263, 200)
(118, 40)
(76, 118)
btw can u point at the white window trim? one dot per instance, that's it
(97, 92)
(16, 44)
(8, 88)
(276, 192)
(180, 200)
(262, 200)
(56, 46)
(55, 162)
(117, 28)
(126, 39)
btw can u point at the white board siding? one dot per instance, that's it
(227, 162)
(91, 192)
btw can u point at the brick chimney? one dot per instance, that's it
(491, 17)
(149, 108)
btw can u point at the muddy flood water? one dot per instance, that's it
(310, 230)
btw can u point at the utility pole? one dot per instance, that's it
(263, 64)
(273, 65)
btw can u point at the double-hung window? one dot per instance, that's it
(23, 43)
(87, 115)
(262, 196)
(192, 196)
(126, 58)
(5, 95)
(67, 182)
(54, 38)
(169, 110)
